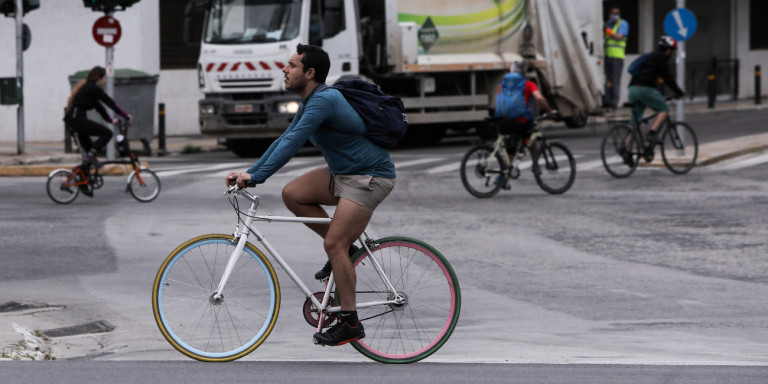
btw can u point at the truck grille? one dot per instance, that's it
(244, 83)
(245, 118)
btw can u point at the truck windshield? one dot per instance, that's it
(252, 21)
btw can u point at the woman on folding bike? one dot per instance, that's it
(86, 95)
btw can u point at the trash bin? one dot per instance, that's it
(134, 91)
(9, 92)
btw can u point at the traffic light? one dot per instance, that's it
(8, 7)
(108, 5)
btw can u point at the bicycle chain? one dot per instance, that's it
(370, 317)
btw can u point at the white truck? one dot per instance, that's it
(444, 58)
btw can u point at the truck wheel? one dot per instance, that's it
(248, 147)
(576, 121)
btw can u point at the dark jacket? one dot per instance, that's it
(89, 97)
(658, 63)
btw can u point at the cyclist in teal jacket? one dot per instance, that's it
(358, 177)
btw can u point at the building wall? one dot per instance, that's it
(723, 32)
(62, 44)
(748, 58)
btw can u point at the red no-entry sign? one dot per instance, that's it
(106, 31)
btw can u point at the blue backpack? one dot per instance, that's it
(510, 102)
(384, 115)
(638, 66)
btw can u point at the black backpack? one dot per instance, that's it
(638, 66)
(384, 115)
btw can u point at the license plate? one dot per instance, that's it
(243, 108)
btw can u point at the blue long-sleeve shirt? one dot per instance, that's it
(344, 148)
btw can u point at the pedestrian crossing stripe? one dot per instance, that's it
(433, 165)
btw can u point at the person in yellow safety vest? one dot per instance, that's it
(616, 31)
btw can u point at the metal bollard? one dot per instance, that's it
(758, 92)
(161, 126)
(67, 137)
(711, 90)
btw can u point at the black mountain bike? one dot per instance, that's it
(625, 146)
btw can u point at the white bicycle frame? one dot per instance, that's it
(242, 237)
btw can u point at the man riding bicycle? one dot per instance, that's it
(358, 177)
(643, 89)
(515, 88)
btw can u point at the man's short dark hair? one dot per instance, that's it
(315, 57)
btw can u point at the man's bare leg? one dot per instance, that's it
(659, 120)
(304, 197)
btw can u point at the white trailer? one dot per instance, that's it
(443, 58)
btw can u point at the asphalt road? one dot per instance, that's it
(655, 278)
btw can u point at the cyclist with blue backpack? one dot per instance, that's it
(513, 112)
(358, 177)
(643, 88)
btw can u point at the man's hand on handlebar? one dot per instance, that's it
(240, 179)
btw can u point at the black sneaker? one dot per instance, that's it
(653, 137)
(91, 158)
(626, 156)
(86, 190)
(340, 334)
(648, 153)
(327, 268)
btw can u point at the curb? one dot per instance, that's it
(46, 169)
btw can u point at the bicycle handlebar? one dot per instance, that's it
(235, 189)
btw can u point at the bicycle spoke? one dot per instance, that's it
(679, 148)
(555, 168)
(620, 151)
(409, 331)
(220, 329)
(482, 171)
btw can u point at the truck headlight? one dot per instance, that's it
(288, 107)
(207, 109)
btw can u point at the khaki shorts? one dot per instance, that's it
(368, 191)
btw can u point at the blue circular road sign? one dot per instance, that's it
(680, 24)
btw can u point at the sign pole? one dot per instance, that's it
(110, 90)
(20, 77)
(681, 71)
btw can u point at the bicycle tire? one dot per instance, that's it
(611, 151)
(482, 177)
(409, 332)
(59, 187)
(679, 153)
(150, 188)
(204, 329)
(553, 176)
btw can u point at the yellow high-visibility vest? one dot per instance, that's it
(615, 48)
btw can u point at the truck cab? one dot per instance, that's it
(245, 45)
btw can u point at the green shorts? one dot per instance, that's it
(643, 97)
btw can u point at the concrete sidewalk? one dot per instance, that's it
(42, 157)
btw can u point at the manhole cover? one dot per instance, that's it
(13, 306)
(92, 327)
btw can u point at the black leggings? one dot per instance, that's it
(87, 128)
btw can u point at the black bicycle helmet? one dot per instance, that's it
(666, 42)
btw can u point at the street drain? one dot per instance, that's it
(13, 306)
(92, 327)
